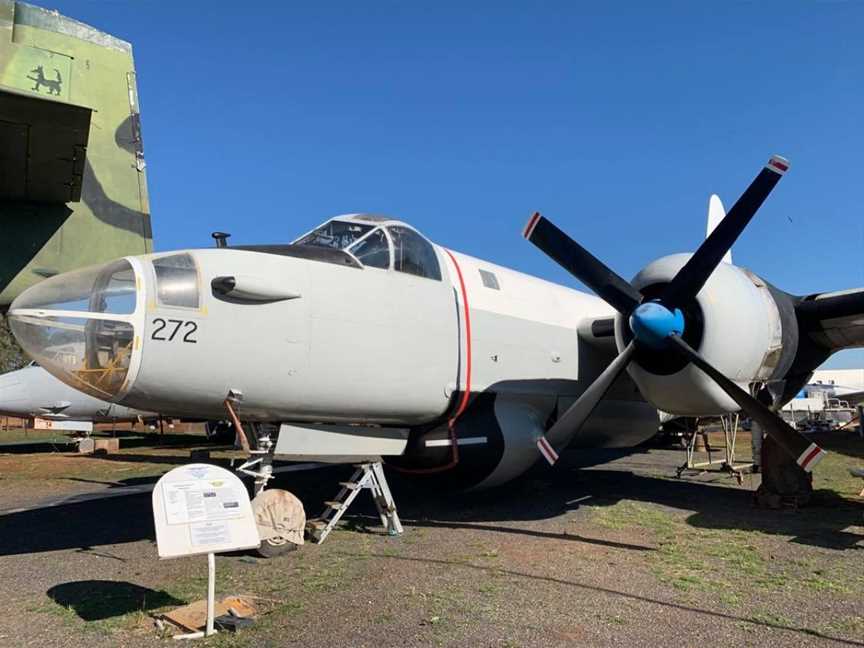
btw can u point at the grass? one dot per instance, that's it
(15, 435)
(133, 460)
(852, 626)
(831, 476)
(771, 619)
(753, 569)
(745, 562)
(105, 607)
(730, 562)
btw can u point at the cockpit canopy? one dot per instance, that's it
(377, 242)
(79, 326)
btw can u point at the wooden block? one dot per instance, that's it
(106, 445)
(194, 616)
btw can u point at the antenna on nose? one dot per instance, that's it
(221, 239)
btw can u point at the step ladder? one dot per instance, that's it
(367, 475)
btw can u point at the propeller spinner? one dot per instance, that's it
(659, 324)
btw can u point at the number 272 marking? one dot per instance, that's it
(190, 327)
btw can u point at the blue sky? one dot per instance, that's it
(616, 120)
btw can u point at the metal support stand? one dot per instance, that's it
(729, 423)
(367, 475)
(211, 593)
(209, 630)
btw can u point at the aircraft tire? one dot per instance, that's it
(276, 547)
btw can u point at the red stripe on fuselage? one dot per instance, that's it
(466, 393)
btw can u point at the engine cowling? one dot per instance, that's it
(735, 321)
(497, 434)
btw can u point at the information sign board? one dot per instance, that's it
(200, 509)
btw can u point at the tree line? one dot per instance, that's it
(11, 355)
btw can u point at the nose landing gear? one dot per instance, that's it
(279, 515)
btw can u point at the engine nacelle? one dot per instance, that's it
(735, 322)
(497, 437)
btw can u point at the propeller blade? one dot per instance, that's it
(805, 453)
(690, 279)
(582, 264)
(569, 424)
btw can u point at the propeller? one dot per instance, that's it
(659, 323)
(806, 454)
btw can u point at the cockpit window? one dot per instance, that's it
(176, 281)
(413, 254)
(373, 250)
(93, 355)
(114, 290)
(78, 326)
(335, 234)
(108, 288)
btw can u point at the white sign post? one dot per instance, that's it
(203, 509)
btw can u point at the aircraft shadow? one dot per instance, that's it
(537, 496)
(95, 600)
(38, 446)
(78, 525)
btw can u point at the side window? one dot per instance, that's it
(176, 281)
(373, 251)
(413, 254)
(489, 280)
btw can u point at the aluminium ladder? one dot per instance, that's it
(368, 475)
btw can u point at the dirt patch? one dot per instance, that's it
(619, 552)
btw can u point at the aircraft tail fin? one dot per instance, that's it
(716, 213)
(72, 194)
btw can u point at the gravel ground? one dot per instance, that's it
(601, 551)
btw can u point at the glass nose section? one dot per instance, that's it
(78, 326)
(106, 288)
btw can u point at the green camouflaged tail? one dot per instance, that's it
(73, 189)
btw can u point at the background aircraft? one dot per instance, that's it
(365, 338)
(74, 188)
(33, 392)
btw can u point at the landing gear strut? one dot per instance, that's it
(279, 515)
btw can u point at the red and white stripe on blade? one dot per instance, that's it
(778, 164)
(529, 227)
(810, 457)
(547, 451)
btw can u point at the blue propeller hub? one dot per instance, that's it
(652, 323)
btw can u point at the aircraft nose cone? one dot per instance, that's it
(652, 323)
(79, 326)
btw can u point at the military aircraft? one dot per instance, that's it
(363, 337)
(73, 187)
(32, 392)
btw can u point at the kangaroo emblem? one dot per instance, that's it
(53, 85)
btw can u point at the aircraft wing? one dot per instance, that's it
(834, 320)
